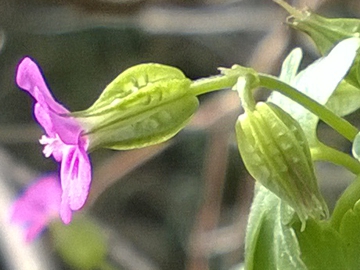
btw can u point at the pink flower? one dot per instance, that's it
(37, 206)
(63, 139)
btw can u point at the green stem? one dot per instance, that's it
(216, 83)
(337, 123)
(293, 11)
(325, 153)
(212, 83)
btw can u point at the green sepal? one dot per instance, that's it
(275, 151)
(148, 128)
(133, 85)
(145, 105)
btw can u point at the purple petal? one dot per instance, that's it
(30, 79)
(37, 205)
(65, 127)
(42, 115)
(65, 211)
(75, 176)
(48, 112)
(34, 230)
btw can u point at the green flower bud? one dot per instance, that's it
(325, 32)
(146, 104)
(276, 153)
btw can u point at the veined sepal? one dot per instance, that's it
(276, 153)
(145, 105)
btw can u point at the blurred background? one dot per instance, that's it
(178, 205)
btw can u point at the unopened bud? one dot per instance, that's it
(276, 153)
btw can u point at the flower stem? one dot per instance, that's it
(213, 83)
(216, 83)
(326, 153)
(293, 11)
(330, 118)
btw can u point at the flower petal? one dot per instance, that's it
(42, 115)
(37, 205)
(47, 111)
(30, 79)
(75, 176)
(34, 230)
(65, 211)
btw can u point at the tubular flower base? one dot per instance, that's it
(275, 151)
(37, 206)
(63, 139)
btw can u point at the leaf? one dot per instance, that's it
(290, 65)
(345, 99)
(318, 81)
(321, 246)
(270, 242)
(346, 201)
(346, 220)
(350, 232)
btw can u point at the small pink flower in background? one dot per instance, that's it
(37, 206)
(63, 139)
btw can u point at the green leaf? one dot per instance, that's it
(318, 81)
(345, 99)
(346, 201)
(271, 243)
(350, 232)
(321, 246)
(291, 65)
(346, 220)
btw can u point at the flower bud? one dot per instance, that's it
(276, 153)
(146, 104)
(326, 33)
